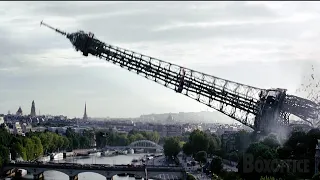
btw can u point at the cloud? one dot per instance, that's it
(205, 24)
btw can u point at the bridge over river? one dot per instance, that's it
(106, 170)
(141, 144)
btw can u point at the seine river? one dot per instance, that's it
(121, 159)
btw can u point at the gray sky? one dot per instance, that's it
(263, 44)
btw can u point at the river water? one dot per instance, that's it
(121, 159)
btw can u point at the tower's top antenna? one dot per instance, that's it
(55, 29)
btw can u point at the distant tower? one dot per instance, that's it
(33, 109)
(85, 116)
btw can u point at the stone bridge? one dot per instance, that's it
(108, 171)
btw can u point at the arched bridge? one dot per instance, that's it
(145, 144)
(108, 171)
(141, 144)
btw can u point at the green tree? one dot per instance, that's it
(38, 148)
(187, 148)
(122, 140)
(136, 137)
(256, 151)
(216, 165)
(171, 147)
(30, 149)
(53, 146)
(101, 139)
(75, 143)
(89, 134)
(242, 140)
(5, 137)
(34, 144)
(301, 145)
(4, 154)
(84, 142)
(151, 136)
(199, 141)
(233, 156)
(1, 161)
(18, 150)
(60, 142)
(214, 144)
(230, 175)
(45, 141)
(66, 143)
(201, 157)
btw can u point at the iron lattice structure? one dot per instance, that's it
(252, 106)
(303, 108)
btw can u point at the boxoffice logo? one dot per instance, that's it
(250, 164)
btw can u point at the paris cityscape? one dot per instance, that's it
(73, 106)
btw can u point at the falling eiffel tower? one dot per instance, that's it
(85, 116)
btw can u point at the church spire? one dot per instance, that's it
(85, 116)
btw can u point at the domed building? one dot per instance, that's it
(170, 119)
(19, 112)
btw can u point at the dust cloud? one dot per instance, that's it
(310, 87)
(279, 134)
(310, 83)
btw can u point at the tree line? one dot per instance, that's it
(299, 146)
(197, 142)
(294, 157)
(36, 144)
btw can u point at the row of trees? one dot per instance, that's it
(36, 144)
(201, 141)
(298, 146)
(82, 140)
(198, 144)
(112, 138)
